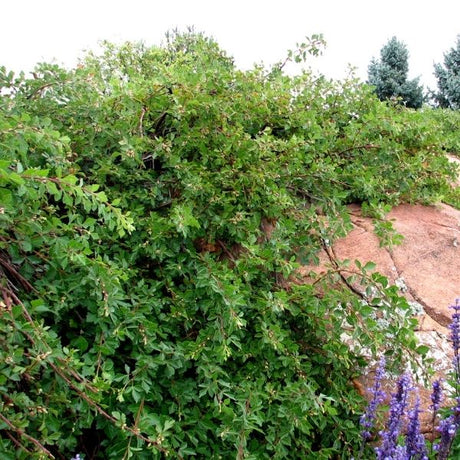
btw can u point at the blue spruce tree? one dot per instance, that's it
(389, 75)
(448, 77)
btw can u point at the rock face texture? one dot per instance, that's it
(425, 267)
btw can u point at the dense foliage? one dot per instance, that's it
(448, 79)
(156, 204)
(389, 75)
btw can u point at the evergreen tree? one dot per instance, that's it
(389, 75)
(448, 76)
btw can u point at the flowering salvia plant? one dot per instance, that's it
(402, 418)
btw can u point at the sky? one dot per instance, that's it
(252, 31)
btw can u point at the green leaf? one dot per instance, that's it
(422, 349)
(81, 343)
(101, 197)
(370, 266)
(5, 165)
(53, 190)
(15, 178)
(70, 179)
(6, 198)
(183, 218)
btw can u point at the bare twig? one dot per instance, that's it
(26, 436)
(8, 266)
(141, 122)
(17, 443)
(225, 249)
(333, 259)
(40, 89)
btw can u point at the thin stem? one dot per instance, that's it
(26, 436)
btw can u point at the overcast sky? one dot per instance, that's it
(252, 31)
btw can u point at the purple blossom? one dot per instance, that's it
(436, 400)
(415, 442)
(455, 336)
(398, 405)
(400, 453)
(447, 428)
(436, 396)
(378, 396)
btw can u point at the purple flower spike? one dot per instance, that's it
(447, 427)
(378, 396)
(436, 396)
(400, 453)
(455, 336)
(455, 326)
(436, 400)
(415, 442)
(398, 405)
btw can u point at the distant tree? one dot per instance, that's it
(448, 76)
(389, 75)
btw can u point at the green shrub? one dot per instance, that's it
(156, 205)
(449, 121)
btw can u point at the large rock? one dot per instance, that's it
(424, 265)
